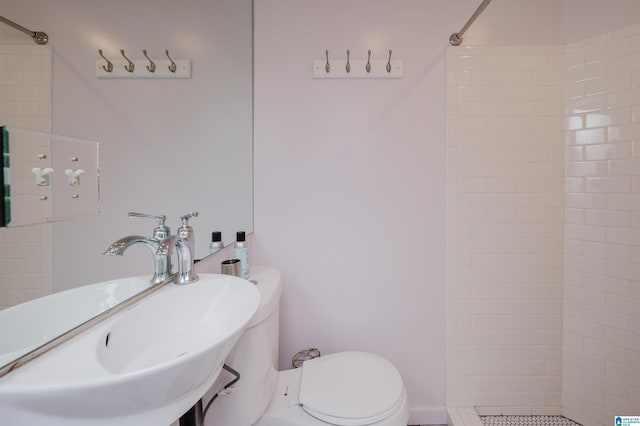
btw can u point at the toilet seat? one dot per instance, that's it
(350, 388)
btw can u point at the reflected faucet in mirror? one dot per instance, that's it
(184, 241)
(162, 261)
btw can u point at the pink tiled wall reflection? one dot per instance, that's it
(25, 102)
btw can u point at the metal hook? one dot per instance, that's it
(151, 67)
(109, 66)
(173, 66)
(129, 67)
(389, 62)
(327, 67)
(368, 67)
(348, 66)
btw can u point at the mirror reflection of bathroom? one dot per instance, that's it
(167, 146)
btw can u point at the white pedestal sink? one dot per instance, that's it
(144, 366)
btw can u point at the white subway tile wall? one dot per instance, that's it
(25, 102)
(601, 369)
(506, 203)
(544, 228)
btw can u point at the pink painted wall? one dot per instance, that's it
(588, 18)
(350, 175)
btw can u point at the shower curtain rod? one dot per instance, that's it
(456, 38)
(38, 36)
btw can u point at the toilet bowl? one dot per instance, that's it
(342, 389)
(345, 388)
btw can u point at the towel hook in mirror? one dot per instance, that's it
(368, 67)
(151, 67)
(348, 66)
(173, 66)
(109, 66)
(327, 67)
(129, 67)
(389, 62)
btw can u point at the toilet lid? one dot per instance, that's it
(350, 388)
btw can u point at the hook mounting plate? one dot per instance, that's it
(183, 69)
(358, 69)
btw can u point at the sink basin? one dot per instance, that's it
(27, 326)
(144, 366)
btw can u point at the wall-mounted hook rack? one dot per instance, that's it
(346, 67)
(142, 68)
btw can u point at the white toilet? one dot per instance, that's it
(345, 388)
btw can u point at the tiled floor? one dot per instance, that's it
(467, 416)
(527, 421)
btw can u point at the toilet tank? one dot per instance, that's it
(255, 357)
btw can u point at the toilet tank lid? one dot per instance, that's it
(269, 282)
(350, 386)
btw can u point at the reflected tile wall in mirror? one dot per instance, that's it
(25, 101)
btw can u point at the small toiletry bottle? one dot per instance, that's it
(241, 252)
(216, 242)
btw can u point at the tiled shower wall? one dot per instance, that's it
(544, 228)
(505, 219)
(601, 370)
(25, 101)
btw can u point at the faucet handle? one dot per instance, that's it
(161, 231)
(186, 217)
(160, 219)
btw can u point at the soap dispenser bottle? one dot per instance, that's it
(241, 251)
(216, 242)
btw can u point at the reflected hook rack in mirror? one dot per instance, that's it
(173, 66)
(109, 66)
(126, 68)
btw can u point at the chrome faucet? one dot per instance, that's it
(184, 241)
(162, 262)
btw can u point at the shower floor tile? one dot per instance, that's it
(527, 421)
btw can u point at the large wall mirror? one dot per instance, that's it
(167, 146)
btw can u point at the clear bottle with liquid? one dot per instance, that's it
(241, 251)
(216, 242)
